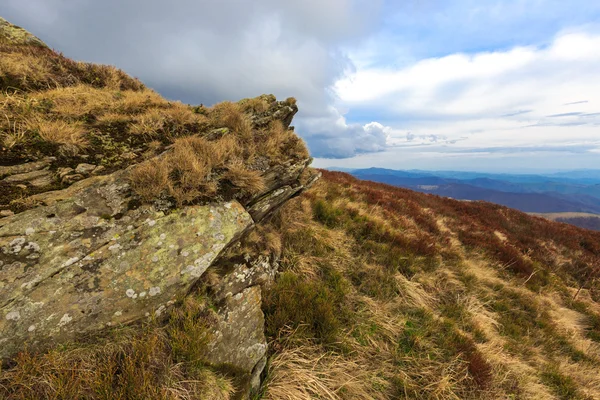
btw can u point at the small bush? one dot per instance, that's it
(314, 308)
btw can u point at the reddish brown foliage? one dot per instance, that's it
(530, 241)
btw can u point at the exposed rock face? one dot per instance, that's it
(239, 337)
(92, 256)
(17, 35)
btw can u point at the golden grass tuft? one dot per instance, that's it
(69, 135)
(13, 135)
(194, 168)
(230, 115)
(248, 181)
(132, 102)
(307, 372)
(150, 179)
(24, 70)
(149, 124)
(76, 101)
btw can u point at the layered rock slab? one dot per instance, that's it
(93, 260)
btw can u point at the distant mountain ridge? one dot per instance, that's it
(576, 191)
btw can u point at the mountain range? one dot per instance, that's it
(565, 192)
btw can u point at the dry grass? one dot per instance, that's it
(194, 169)
(240, 176)
(306, 372)
(149, 179)
(13, 136)
(24, 70)
(147, 362)
(231, 115)
(132, 102)
(435, 322)
(69, 135)
(149, 124)
(78, 100)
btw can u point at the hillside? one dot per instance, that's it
(155, 250)
(417, 296)
(582, 220)
(554, 193)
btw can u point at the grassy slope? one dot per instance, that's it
(76, 112)
(388, 293)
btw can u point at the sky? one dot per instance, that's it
(480, 85)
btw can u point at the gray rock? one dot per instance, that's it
(35, 178)
(85, 169)
(238, 337)
(69, 268)
(64, 171)
(255, 271)
(26, 167)
(98, 170)
(70, 179)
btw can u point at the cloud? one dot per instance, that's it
(342, 139)
(576, 102)
(208, 51)
(513, 98)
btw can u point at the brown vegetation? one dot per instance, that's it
(79, 112)
(433, 298)
(147, 362)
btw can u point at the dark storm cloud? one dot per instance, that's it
(209, 51)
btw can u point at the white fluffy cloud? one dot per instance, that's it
(545, 98)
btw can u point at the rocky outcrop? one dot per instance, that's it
(92, 257)
(17, 35)
(84, 248)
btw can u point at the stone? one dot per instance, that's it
(70, 266)
(273, 200)
(84, 169)
(260, 270)
(238, 336)
(70, 179)
(6, 213)
(26, 167)
(256, 376)
(98, 170)
(35, 178)
(64, 171)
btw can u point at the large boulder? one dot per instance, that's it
(92, 257)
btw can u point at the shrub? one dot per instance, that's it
(312, 307)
